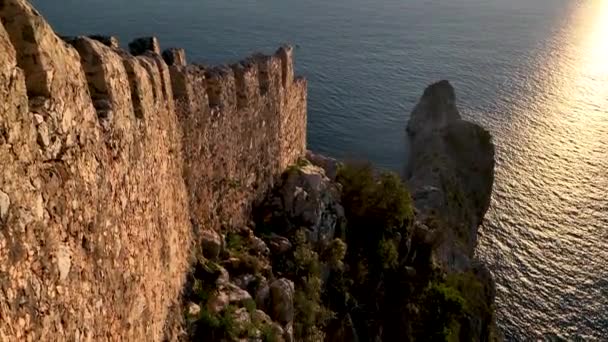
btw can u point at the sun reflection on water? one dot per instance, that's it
(552, 178)
(596, 45)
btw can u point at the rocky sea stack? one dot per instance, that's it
(450, 172)
(450, 175)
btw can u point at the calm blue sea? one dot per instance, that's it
(534, 72)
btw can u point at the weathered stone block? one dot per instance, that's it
(109, 41)
(175, 57)
(140, 46)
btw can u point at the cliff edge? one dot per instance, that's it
(450, 175)
(450, 172)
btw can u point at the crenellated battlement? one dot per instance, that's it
(239, 85)
(221, 87)
(113, 161)
(253, 113)
(247, 79)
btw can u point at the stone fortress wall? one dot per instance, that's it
(111, 166)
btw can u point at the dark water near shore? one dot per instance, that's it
(534, 72)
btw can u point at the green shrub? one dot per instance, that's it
(250, 264)
(249, 304)
(306, 260)
(209, 320)
(227, 323)
(381, 200)
(310, 314)
(234, 242)
(211, 326)
(444, 307)
(388, 254)
(268, 334)
(202, 290)
(237, 247)
(379, 211)
(334, 254)
(472, 291)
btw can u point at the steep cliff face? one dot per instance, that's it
(102, 178)
(450, 173)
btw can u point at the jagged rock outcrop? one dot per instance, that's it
(279, 244)
(450, 173)
(328, 164)
(211, 243)
(281, 300)
(305, 198)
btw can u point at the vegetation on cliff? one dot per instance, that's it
(343, 252)
(359, 264)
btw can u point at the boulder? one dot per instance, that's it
(329, 165)
(279, 244)
(5, 203)
(243, 281)
(262, 296)
(140, 46)
(288, 333)
(261, 316)
(109, 41)
(281, 296)
(223, 277)
(193, 309)
(175, 57)
(305, 198)
(232, 263)
(241, 317)
(211, 243)
(258, 247)
(218, 302)
(228, 294)
(236, 294)
(247, 264)
(210, 272)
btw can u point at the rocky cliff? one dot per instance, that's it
(145, 198)
(113, 164)
(450, 172)
(344, 252)
(450, 175)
